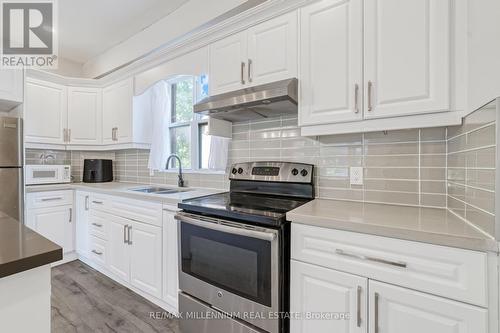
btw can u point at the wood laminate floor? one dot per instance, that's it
(84, 300)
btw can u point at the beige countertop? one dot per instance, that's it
(124, 190)
(428, 225)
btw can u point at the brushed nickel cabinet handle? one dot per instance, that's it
(51, 199)
(401, 264)
(69, 134)
(356, 98)
(242, 72)
(249, 70)
(70, 215)
(97, 225)
(97, 202)
(86, 202)
(116, 133)
(370, 86)
(129, 235)
(358, 312)
(125, 234)
(97, 252)
(376, 312)
(65, 137)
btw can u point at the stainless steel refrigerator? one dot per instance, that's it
(11, 168)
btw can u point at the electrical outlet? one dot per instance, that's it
(356, 175)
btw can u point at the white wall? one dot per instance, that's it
(484, 52)
(188, 17)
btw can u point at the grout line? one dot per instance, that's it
(473, 206)
(470, 186)
(471, 224)
(472, 149)
(471, 131)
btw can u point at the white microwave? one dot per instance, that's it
(47, 174)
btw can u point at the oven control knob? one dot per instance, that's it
(240, 171)
(219, 294)
(304, 172)
(234, 171)
(295, 172)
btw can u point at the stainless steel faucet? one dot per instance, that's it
(180, 182)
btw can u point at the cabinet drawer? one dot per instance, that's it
(100, 202)
(50, 199)
(98, 225)
(449, 272)
(137, 210)
(97, 249)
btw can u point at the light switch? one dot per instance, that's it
(356, 175)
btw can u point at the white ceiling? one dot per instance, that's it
(87, 28)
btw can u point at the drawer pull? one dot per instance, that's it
(376, 312)
(52, 199)
(170, 210)
(97, 225)
(368, 258)
(358, 310)
(97, 202)
(97, 252)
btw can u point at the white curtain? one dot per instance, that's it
(160, 110)
(219, 151)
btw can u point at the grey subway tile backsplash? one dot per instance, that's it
(471, 162)
(394, 162)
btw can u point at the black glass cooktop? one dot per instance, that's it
(256, 208)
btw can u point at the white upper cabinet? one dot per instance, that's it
(84, 116)
(331, 63)
(117, 112)
(264, 53)
(11, 88)
(272, 50)
(407, 57)
(45, 112)
(228, 63)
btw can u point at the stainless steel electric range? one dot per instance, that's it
(235, 250)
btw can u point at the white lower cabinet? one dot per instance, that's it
(82, 205)
(170, 258)
(395, 310)
(146, 258)
(317, 290)
(118, 256)
(51, 215)
(54, 223)
(335, 272)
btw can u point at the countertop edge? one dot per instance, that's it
(25, 264)
(474, 244)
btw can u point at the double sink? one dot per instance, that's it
(158, 190)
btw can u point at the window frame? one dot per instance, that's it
(194, 124)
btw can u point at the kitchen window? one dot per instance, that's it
(188, 138)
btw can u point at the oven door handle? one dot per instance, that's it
(267, 236)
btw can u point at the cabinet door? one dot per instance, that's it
(331, 62)
(54, 223)
(84, 116)
(395, 310)
(146, 258)
(228, 64)
(117, 112)
(82, 204)
(45, 112)
(11, 88)
(272, 50)
(315, 289)
(118, 257)
(407, 57)
(170, 258)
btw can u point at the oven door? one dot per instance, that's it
(234, 267)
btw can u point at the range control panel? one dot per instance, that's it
(273, 171)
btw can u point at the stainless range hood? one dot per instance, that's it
(260, 102)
